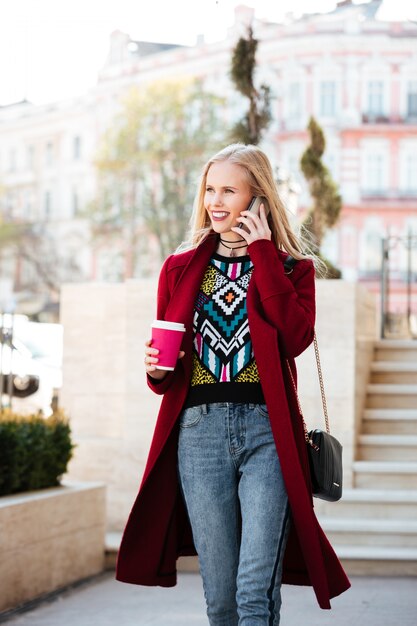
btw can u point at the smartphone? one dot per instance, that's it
(254, 206)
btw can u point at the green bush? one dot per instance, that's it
(34, 451)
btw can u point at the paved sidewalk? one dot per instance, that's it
(105, 602)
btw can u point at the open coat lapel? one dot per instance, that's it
(180, 307)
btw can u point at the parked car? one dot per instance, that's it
(36, 364)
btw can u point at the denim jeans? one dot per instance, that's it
(237, 503)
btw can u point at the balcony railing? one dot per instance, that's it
(388, 194)
(384, 194)
(294, 124)
(383, 118)
(375, 118)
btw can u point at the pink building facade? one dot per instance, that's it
(357, 75)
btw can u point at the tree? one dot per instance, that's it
(148, 165)
(34, 245)
(327, 202)
(251, 127)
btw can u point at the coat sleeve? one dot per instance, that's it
(160, 386)
(289, 305)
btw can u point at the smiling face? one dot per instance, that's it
(227, 194)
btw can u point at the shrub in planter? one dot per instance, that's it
(34, 451)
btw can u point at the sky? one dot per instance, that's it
(52, 49)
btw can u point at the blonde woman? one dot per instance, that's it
(227, 475)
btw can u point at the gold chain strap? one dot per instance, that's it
(323, 395)
(306, 435)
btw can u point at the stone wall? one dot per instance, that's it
(113, 412)
(49, 539)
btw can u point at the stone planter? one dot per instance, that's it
(50, 538)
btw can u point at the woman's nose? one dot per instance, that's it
(217, 199)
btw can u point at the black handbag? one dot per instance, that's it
(324, 451)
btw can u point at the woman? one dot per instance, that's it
(227, 475)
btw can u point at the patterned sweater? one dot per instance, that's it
(224, 367)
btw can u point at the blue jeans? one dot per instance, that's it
(237, 503)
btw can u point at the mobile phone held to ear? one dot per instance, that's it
(254, 207)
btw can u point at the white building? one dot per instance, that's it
(47, 175)
(356, 74)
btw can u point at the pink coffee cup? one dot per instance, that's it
(167, 338)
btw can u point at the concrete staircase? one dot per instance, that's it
(374, 527)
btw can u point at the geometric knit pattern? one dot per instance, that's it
(222, 346)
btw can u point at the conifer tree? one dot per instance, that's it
(255, 121)
(327, 202)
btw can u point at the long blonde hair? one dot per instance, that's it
(258, 170)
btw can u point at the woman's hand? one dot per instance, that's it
(151, 359)
(257, 225)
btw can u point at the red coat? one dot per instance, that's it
(281, 314)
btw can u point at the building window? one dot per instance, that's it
(30, 155)
(375, 98)
(370, 247)
(411, 172)
(331, 246)
(371, 254)
(412, 99)
(76, 147)
(12, 160)
(28, 205)
(49, 156)
(9, 206)
(294, 101)
(328, 98)
(47, 205)
(374, 174)
(293, 166)
(75, 203)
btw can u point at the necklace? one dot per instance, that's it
(232, 250)
(227, 240)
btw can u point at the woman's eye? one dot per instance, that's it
(209, 189)
(229, 190)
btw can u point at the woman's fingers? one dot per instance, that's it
(248, 219)
(241, 232)
(258, 221)
(263, 216)
(257, 225)
(150, 356)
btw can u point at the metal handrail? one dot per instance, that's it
(409, 241)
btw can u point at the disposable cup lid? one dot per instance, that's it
(168, 325)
